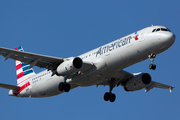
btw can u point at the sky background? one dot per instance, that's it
(65, 28)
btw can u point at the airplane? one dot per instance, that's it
(101, 66)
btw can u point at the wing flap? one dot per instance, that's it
(121, 77)
(10, 87)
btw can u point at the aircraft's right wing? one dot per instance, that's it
(33, 59)
(42, 61)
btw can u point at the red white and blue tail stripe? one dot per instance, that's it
(22, 71)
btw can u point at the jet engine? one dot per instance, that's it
(69, 66)
(139, 81)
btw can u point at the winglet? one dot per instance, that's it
(171, 89)
(146, 90)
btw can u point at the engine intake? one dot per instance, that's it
(138, 82)
(69, 66)
(77, 62)
(146, 78)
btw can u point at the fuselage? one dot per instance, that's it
(108, 59)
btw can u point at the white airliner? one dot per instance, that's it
(101, 66)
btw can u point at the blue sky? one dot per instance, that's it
(70, 28)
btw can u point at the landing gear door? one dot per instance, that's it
(141, 35)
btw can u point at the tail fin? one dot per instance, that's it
(22, 70)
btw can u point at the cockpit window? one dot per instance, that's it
(164, 29)
(158, 29)
(154, 30)
(161, 29)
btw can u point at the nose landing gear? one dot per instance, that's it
(152, 66)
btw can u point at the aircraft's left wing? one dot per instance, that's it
(158, 85)
(33, 59)
(122, 77)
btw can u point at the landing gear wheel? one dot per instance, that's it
(112, 97)
(152, 66)
(106, 96)
(109, 96)
(67, 87)
(61, 86)
(64, 86)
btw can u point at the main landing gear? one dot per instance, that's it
(63, 86)
(109, 95)
(152, 66)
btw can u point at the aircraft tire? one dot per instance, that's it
(154, 67)
(67, 87)
(61, 86)
(106, 96)
(112, 97)
(150, 66)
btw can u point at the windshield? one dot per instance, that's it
(161, 29)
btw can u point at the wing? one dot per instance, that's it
(122, 77)
(10, 87)
(42, 61)
(33, 59)
(158, 85)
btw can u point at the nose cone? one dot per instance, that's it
(165, 40)
(169, 37)
(173, 38)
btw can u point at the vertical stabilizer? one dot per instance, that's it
(22, 71)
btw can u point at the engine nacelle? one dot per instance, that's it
(138, 82)
(69, 66)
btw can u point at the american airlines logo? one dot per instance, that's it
(112, 46)
(136, 36)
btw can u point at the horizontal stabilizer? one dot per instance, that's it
(10, 87)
